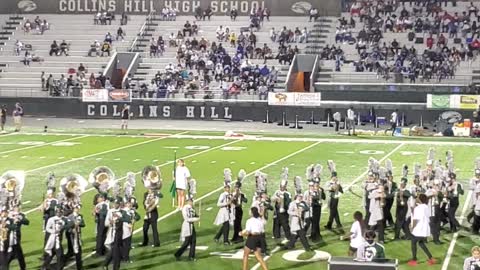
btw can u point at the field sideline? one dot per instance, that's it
(206, 156)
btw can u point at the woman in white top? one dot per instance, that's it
(421, 229)
(182, 176)
(356, 233)
(253, 231)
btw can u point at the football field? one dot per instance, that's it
(207, 156)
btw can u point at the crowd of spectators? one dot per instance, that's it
(38, 26)
(448, 38)
(72, 83)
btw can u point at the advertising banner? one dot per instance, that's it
(294, 99)
(120, 95)
(95, 95)
(466, 102)
(184, 7)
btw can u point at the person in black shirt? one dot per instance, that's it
(3, 117)
(54, 48)
(187, 27)
(63, 48)
(125, 116)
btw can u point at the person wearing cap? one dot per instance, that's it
(182, 176)
(18, 220)
(55, 228)
(225, 216)
(370, 250)
(402, 211)
(377, 203)
(454, 190)
(435, 196)
(296, 211)
(254, 228)
(334, 188)
(390, 189)
(238, 199)
(100, 211)
(473, 263)
(282, 200)
(318, 196)
(114, 223)
(188, 235)
(150, 203)
(130, 217)
(75, 234)
(421, 229)
(472, 186)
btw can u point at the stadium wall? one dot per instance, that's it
(219, 7)
(209, 110)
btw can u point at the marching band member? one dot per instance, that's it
(182, 176)
(100, 213)
(153, 183)
(77, 223)
(55, 228)
(188, 234)
(308, 197)
(48, 208)
(434, 198)
(377, 202)
(357, 232)
(335, 188)
(5, 230)
(130, 217)
(225, 216)
(18, 220)
(318, 196)
(454, 190)
(390, 188)
(254, 228)
(421, 229)
(370, 250)
(472, 186)
(238, 199)
(114, 223)
(402, 211)
(476, 209)
(129, 189)
(260, 184)
(150, 203)
(473, 263)
(370, 184)
(282, 199)
(263, 204)
(296, 210)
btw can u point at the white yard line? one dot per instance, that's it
(100, 153)
(214, 191)
(466, 204)
(257, 266)
(340, 139)
(41, 145)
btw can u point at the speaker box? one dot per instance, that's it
(457, 40)
(419, 40)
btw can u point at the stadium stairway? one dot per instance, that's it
(207, 29)
(79, 31)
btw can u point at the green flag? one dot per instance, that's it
(173, 190)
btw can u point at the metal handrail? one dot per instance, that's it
(110, 63)
(313, 74)
(290, 70)
(141, 32)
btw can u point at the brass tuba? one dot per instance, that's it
(12, 184)
(102, 178)
(152, 178)
(73, 186)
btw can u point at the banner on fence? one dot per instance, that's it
(294, 99)
(466, 102)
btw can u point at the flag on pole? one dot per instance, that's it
(173, 190)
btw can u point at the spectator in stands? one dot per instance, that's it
(273, 34)
(27, 26)
(96, 18)
(220, 33)
(304, 35)
(120, 34)
(43, 80)
(50, 84)
(54, 48)
(106, 48)
(233, 14)
(63, 48)
(263, 92)
(313, 14)
(18, 47)
(92, 80)
(108, 84)
(44, 27)
(195, 28)
(198, 13)
(108, 38)
(207, 13)
(187, 28)
(124, 19)
(266, 14)
(94, 48)
(27, 58)
(179, 38)
(153, 48)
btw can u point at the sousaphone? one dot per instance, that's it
(152, 178)
(102, 178)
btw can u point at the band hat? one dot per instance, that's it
(477, 171)
(283, 183)
(429, 162)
